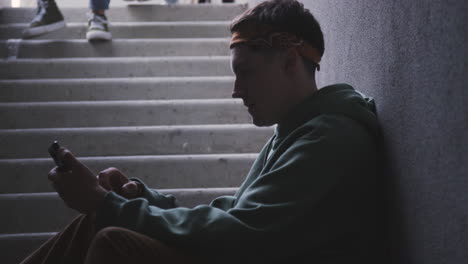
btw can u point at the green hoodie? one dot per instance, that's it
(313, 197)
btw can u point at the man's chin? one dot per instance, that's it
(261, 123)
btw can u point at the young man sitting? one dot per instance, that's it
(308, 198)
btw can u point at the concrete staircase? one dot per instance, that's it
(154, 102)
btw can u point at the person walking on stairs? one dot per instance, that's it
(48, 18)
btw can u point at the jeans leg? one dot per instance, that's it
(68, 246)
(99, 4)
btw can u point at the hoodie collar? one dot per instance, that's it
(306, 110)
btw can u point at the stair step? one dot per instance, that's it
(24, 209)
(76, 48)
(165, 172)
(122, 113)
(134, 13)
(149, 88)
(129, 141)
(138, 30)
(16, 247)
(115, 67)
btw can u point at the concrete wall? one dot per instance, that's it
(411, 56)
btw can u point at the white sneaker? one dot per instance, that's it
(98, 28)
(47, 19)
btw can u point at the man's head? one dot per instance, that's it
(276, 48)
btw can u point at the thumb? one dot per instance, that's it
(130, 189)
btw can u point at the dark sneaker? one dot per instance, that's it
(98, 28)
(48, 18)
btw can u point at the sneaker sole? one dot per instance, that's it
(98, 35)
(36, 31)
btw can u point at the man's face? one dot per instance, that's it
(260, 83)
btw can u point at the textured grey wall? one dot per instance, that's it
(411, 56)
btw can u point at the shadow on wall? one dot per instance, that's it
(392, 227)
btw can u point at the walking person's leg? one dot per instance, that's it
(48, 18)
(98, 26)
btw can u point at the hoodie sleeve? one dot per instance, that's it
(302, 199)
(167, 201)
(156, 198)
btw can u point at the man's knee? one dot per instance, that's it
(110, 235)
(121, 245)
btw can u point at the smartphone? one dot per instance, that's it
(53, 151)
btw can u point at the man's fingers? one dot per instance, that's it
(108, 171)
(67, 158)
(103, 178)
(131, 189)
(104, 183)
(112, 179)
(52, 175)
(56, 174)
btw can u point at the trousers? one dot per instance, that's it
(96, 4)
(99, 4)
(80, 243)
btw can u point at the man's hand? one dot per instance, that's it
(114, 180)
(79, 188)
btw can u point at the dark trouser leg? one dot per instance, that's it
(79, 242)
(99, 4)
(69, 246)
(118, 246)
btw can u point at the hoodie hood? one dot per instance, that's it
(337, 99)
